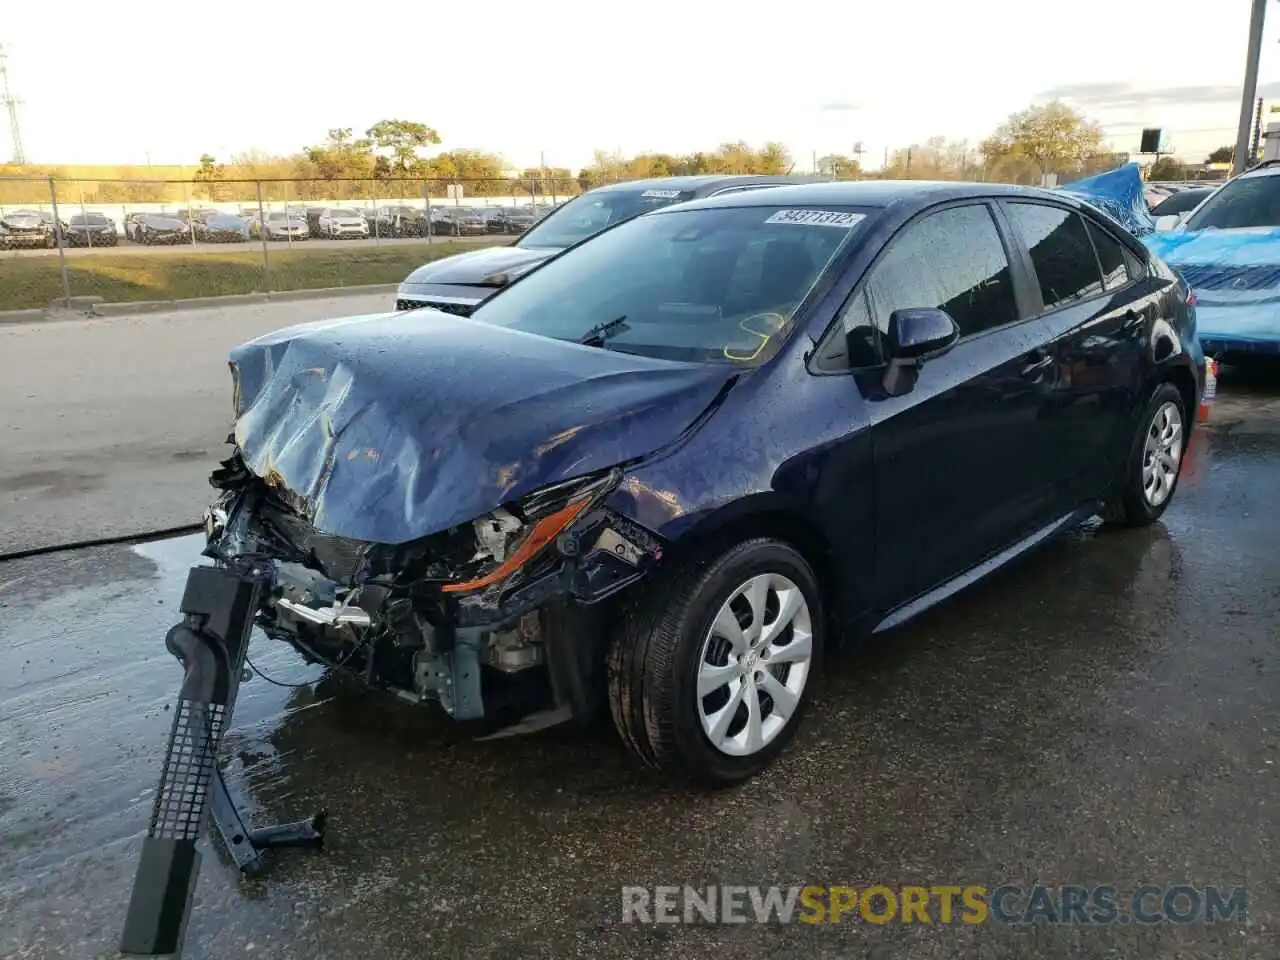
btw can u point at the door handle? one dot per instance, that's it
(1037, 360)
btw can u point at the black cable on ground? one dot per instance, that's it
(128, 538)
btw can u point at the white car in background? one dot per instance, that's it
(343, 224)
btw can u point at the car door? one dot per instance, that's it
(1090, 297)
(959, 460)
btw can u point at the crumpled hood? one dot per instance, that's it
(23, 220)
(1235, 275)
(387, 429)
(475, 265)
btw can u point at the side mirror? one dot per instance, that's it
(1170, 221)
(915, 335)
(919, 334)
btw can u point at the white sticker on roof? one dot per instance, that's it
(663, 194)
(818, 218)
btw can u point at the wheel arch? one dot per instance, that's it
(1185, 381)
(779, 518)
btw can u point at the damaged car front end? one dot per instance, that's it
(486, 618)
(428, 502)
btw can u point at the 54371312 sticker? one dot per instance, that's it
(818, 218)
(661, 194)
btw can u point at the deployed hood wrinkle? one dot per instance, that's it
(388, 429)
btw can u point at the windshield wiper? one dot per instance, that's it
(597, 335)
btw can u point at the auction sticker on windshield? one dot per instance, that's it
(818, 218)
(661, 194)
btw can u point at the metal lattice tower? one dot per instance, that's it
(11, 107)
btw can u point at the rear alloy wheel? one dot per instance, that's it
(1154, 463)
(710, 673)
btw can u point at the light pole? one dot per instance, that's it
(1250, 90)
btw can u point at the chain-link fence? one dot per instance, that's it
(131, 240)
(136, 240)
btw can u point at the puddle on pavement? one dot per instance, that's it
(86, 695)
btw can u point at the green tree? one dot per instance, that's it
(402, 139)
(480, 173)
(1052, 136)
(839, 166)
(1167, 168)
(208, 175)
(556, 180)
(341, 156)
(1221, 155)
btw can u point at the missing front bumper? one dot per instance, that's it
(533, 641)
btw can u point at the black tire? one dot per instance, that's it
(655, 655)
(1129, 505)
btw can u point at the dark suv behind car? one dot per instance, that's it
(458, 284)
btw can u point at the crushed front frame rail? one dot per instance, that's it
(218, 607)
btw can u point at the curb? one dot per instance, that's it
(33, 315)
(82, 307)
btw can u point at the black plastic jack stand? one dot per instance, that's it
(218, 606)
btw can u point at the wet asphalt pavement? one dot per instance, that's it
(92, 448)
(1104, 711)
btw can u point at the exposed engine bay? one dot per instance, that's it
(497, 617)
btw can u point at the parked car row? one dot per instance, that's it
(35, 228)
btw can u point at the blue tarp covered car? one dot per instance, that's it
(1119, 193)
(1227, 250)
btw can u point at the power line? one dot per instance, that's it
(11, 106)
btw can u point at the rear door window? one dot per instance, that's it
(953, 259)
(1061, 252)
(1113, 257)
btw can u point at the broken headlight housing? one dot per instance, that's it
(508, 539)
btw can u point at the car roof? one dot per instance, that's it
(1268, 168)
(873, 193)
(703, 182)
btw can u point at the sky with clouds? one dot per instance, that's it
(123, 81)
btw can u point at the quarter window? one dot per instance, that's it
(953, 259)
(1061, 252)
(862, 348)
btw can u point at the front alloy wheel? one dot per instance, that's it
(753, 665)
(715, 659)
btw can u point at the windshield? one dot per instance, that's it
(713, 286)
(592, 212)
(1243, 202)
(95, 218)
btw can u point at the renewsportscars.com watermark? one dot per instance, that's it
(945, 903)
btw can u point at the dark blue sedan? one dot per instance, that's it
(671, 466)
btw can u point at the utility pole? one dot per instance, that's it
(11, 107)
(1259, 13)
(1256, 141)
